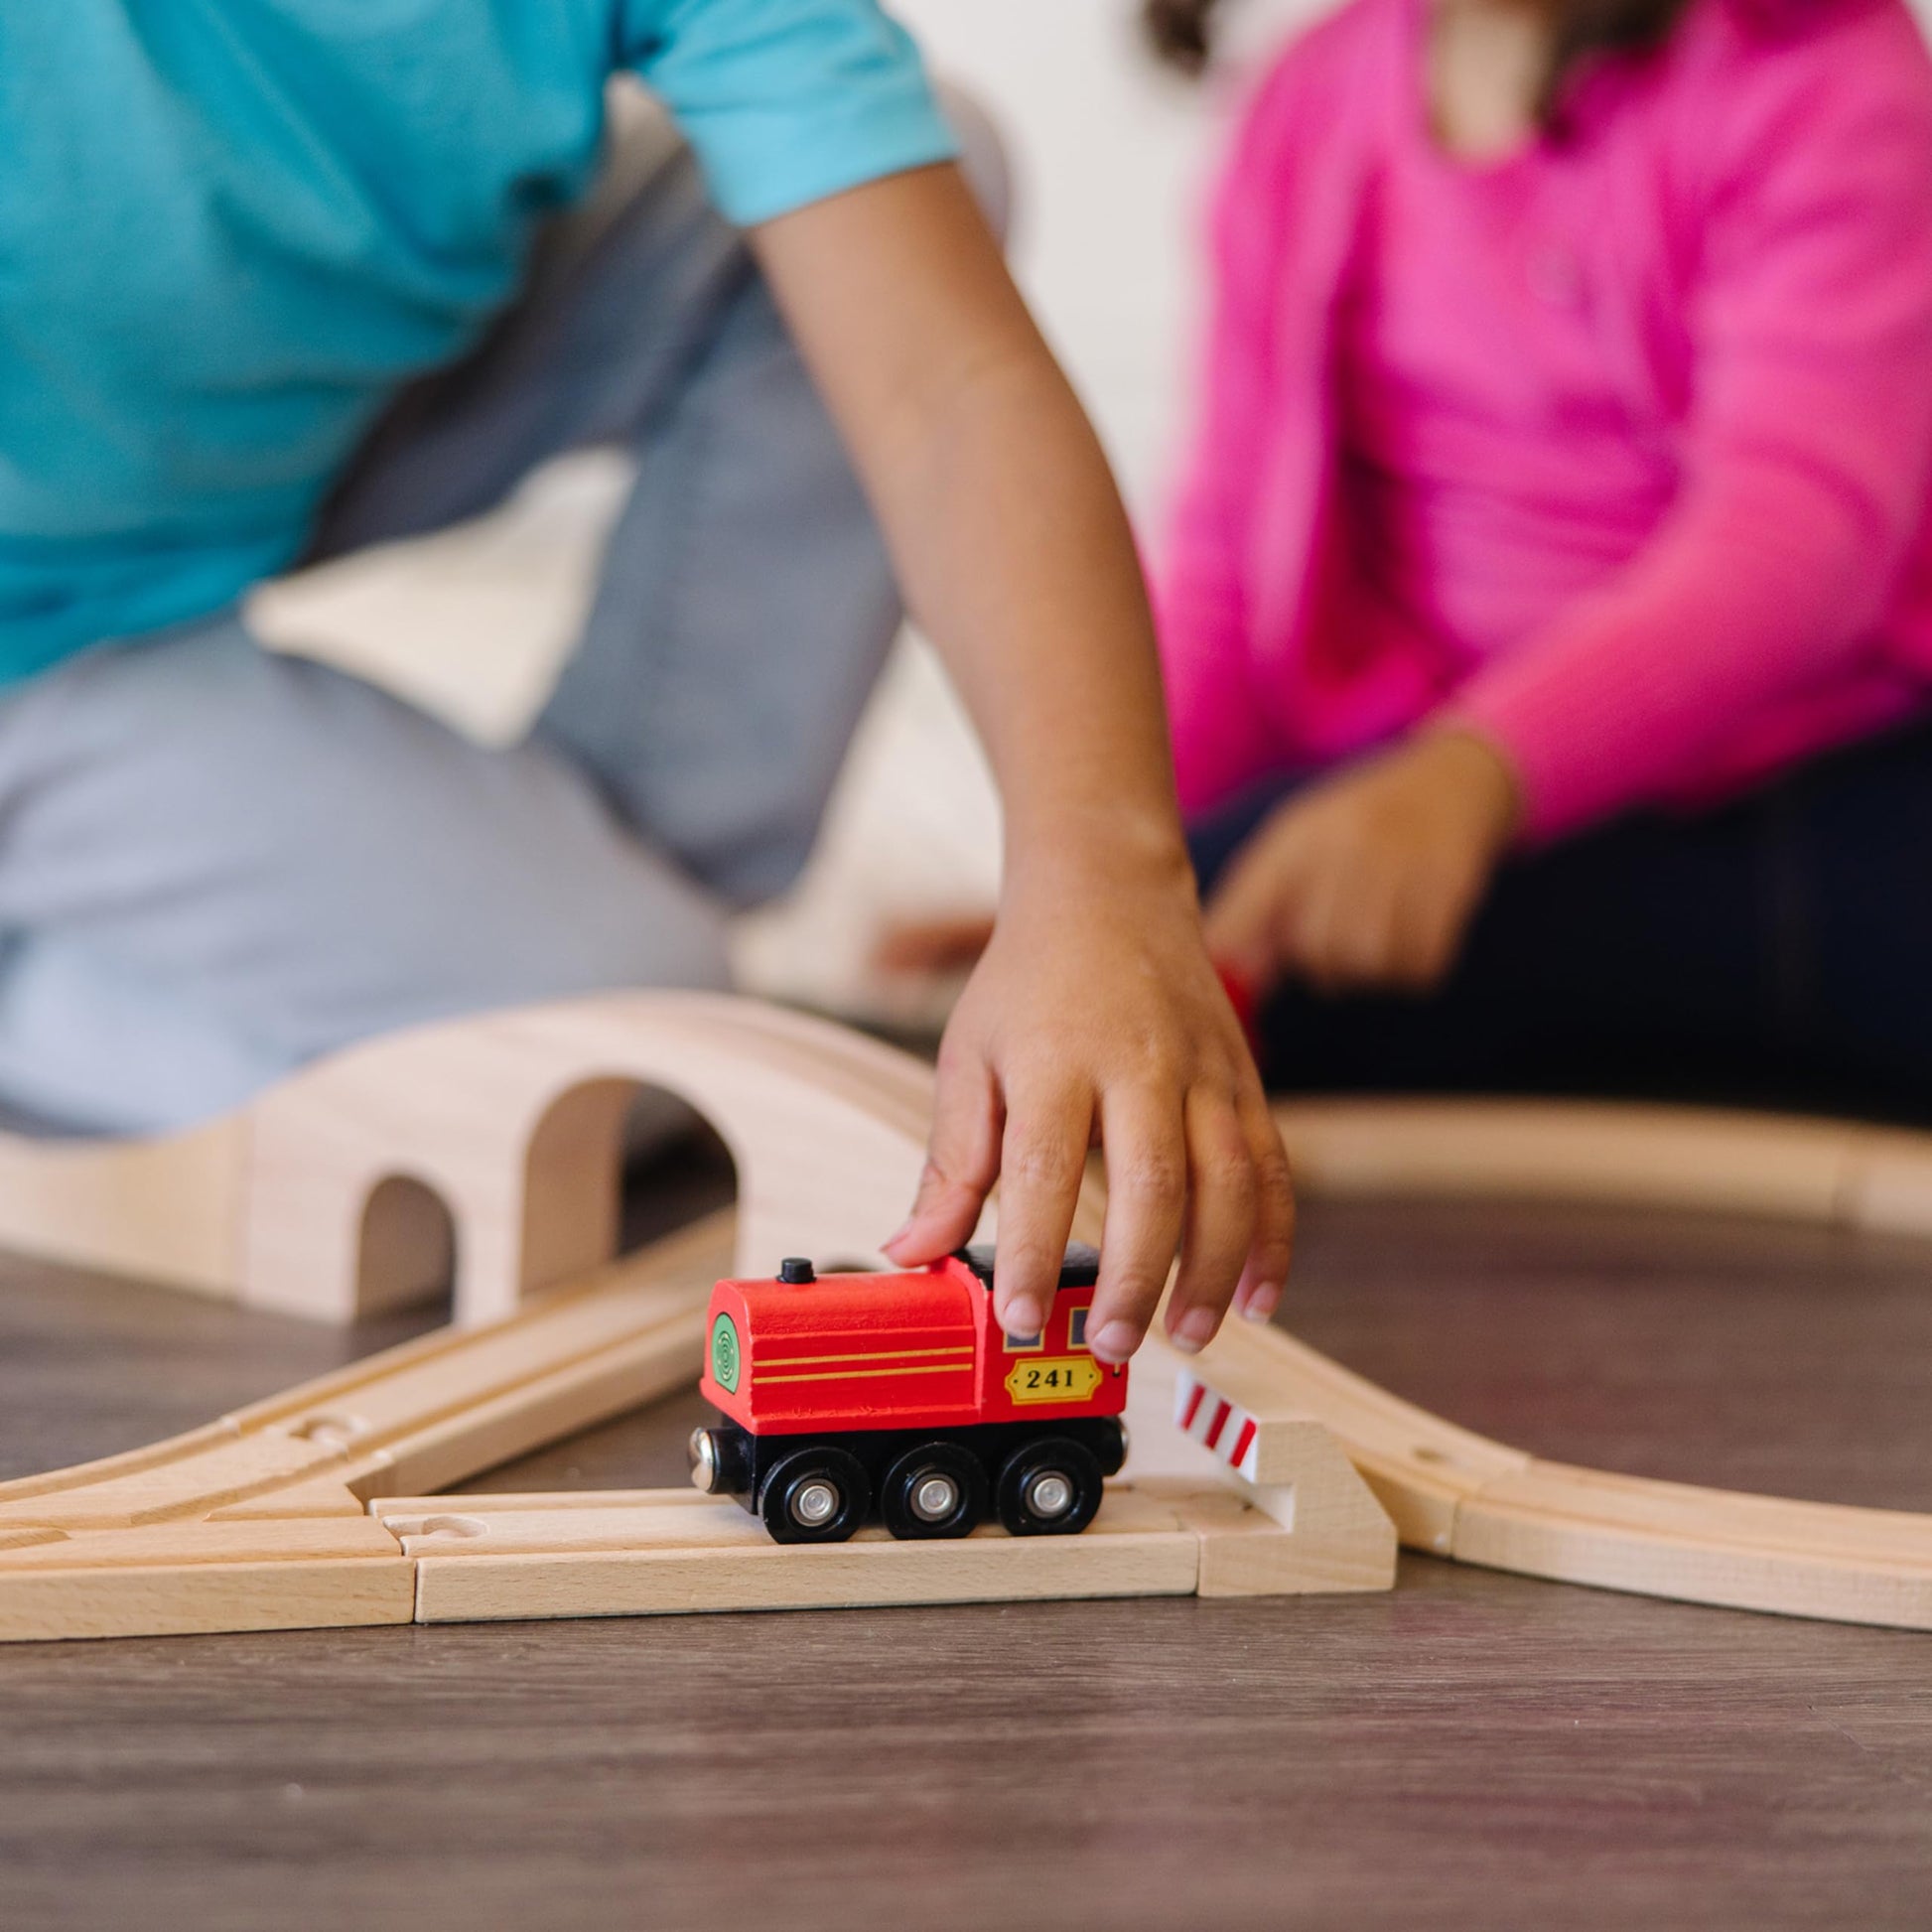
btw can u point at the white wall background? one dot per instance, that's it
(1111, 154)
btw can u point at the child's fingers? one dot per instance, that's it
(962, 1163)
(1219, 1229)
(1245, 917)
(1431, 930)
(1311, 920)
(1259, 1292)
(1043, 1162)
(1434, 917)
(1147, 1197)
(1363, 939)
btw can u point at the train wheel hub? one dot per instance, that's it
(815, 1502)
(1049, 1494)
(935, 1498)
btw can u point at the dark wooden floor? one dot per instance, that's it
(1473, 1750)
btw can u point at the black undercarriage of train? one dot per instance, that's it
(1038, 1478)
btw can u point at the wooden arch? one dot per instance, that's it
(827, 1130)
(514, 1122)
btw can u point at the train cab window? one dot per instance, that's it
(1024, 1344)
(1076, 1328)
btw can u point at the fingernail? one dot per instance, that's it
(891, 1241)
(1195, 1331)
(1115, 1342)
(1023, 1317)
(1262, 1302)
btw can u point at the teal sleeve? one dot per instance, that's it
(787, 102)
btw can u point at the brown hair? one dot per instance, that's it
(1181, 34)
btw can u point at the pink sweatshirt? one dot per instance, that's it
(1618, 450)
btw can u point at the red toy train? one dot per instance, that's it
(845, 1392)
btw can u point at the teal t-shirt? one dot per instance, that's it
(230, 228)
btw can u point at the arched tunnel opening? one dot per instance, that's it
(612, 1165)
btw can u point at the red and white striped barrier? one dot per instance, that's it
(1215, 1422)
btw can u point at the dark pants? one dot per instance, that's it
(1776, 950)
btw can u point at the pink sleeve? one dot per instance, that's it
(1811, 441)
(1221, 742)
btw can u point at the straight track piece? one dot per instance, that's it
(1705, 1546)
(171, 1578)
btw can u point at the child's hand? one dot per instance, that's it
(1369, 880)
(1094, 1017)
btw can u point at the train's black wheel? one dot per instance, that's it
(937, 1489)
(1050, 1487)
(815, 1495)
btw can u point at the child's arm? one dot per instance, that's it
(1806, 477)
(1095, 1013)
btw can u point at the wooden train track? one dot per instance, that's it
(317, 1507)
(320, 1201)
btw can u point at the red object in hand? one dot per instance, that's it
(1246, 1005)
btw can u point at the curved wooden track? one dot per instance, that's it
(1827, 1172)
(514, 1122)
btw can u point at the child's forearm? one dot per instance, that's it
(1094, 1015)
(1054, 650)
(1010, 538)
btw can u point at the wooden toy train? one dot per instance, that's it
(845, 1393)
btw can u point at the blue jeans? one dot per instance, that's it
(1776, 950)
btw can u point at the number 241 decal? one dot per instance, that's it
(1054, 1378)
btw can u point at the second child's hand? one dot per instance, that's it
(1367, 881)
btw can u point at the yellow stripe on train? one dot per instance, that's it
(764, 1379)
(869, 1355)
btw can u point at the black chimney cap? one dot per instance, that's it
(796, 1271)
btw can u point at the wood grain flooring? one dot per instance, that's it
(1474, 1751)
